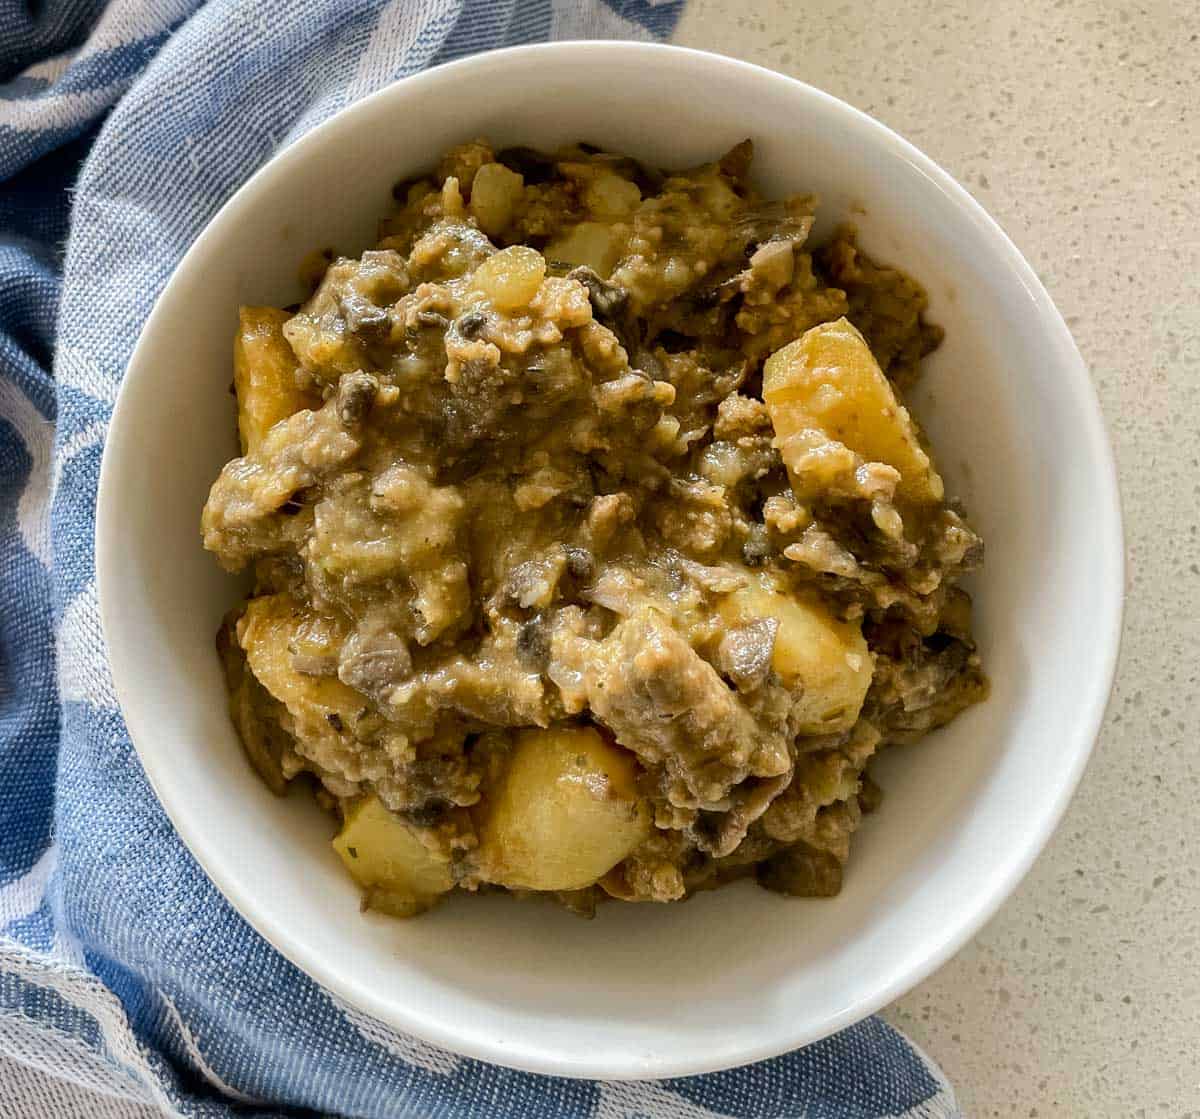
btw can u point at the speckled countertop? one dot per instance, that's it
(1077, 124)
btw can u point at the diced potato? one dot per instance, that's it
(511, 277)
(590, 244)
(824, 660)
(264, 374)
(464, 161)
(564, 813)
(262, 739)
(828, 381)
(316, 642)
(495, 193)
(610, 196)
(384, 854)
(326, 353)
(274, 631)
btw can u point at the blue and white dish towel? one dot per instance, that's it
(128, 987)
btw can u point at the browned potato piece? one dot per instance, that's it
(565, 812)
(828, 382)
(384, 854)
(826, 661)
(262, 739)
(272, 631)
(264, 374)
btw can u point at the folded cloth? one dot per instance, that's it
(122, 970)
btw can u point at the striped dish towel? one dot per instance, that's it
(123, 127)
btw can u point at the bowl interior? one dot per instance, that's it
(734, 975)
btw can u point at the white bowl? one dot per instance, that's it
(739, 974)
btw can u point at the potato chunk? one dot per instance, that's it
(610, 196)
(495, 193)
(274, 631)
(384, 854)
(824, 660)
(827, 383)
(264, 375)
(564, 813)
(511, 277)
(589, 244)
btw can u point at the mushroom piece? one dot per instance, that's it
(747, 803)
(609, 301)
(356, 394)
(802, 871)
(374, 661)
(745, 652)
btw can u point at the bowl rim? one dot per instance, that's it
(1109, 614)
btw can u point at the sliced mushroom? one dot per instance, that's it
(355, 395)
(745, 652)
(609, 301)
(747, 803)
(373, 661)
(802, 871)
(362, 316)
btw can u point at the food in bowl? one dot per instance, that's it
(595, 553)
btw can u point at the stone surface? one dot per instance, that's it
(1075, 123)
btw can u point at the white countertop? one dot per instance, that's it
(1076, 123)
